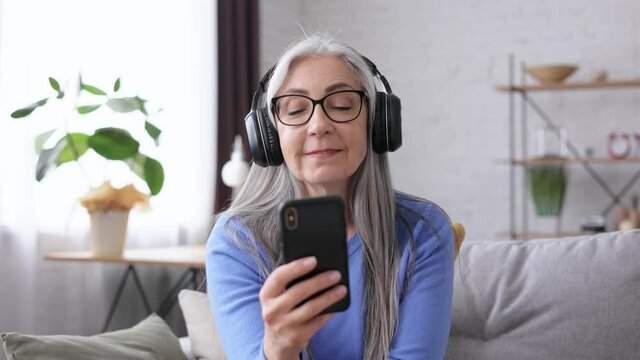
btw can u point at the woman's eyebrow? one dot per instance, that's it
(328, 89)
(296, 91)
(337, 86)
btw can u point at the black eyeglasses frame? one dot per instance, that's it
(274, 100)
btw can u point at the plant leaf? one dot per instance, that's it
(41, 139)
(153, 175)
(76, 146)
(87, 109)
(92, 89)
(27, 110)
(47, 160)
(113, 143)
(123, 105)
(153, 131)
(54, 84)
(116, 85)
(149, 170)
(136, 164)
(141, 106)
(79, 84)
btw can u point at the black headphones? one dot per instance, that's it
(263, 137)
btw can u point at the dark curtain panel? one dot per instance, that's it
(237, 79)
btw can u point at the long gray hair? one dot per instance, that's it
(371, 203)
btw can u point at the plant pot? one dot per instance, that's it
(108, 232)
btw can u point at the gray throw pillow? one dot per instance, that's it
(201, 326)
(150, 339)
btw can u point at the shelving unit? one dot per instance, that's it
(522, 161)
(631, 83)
(631, 160)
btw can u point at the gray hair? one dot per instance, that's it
(371, 203)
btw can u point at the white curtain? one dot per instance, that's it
(163, 51)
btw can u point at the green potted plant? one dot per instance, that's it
(108, 207)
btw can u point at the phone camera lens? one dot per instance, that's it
(291, 218)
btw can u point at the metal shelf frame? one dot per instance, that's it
(527, 102)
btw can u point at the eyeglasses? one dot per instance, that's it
(340, 106)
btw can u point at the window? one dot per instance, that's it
(163, 51)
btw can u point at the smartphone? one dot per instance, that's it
(316, 227)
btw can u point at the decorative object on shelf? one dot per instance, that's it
(637, 144)
(589, 152)
(632, 220)
(593, 223)
(552, 73)
(619, 145)
(108, 207)
(548, 184)
(600, 77)
(548, 181)
(551, 142)
(619, 213)
(235, 171)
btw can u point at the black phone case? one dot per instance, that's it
(321, 232)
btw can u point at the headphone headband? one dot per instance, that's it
(376, 72)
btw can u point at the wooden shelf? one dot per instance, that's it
(629, 83)
(542, 235)
(539, 161)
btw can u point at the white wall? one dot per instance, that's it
(444, 57)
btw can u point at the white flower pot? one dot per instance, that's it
(108, 232)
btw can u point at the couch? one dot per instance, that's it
(567, 298)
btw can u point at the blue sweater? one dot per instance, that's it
(234, 281)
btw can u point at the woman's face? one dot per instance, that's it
(323, 153)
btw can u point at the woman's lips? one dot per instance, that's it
(323, 153)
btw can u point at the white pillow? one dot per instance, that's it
(201, 327)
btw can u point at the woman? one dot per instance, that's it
(400, 248)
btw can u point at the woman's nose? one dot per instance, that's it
(319, 122)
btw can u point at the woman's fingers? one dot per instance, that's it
(290, 323)
(305, 289)
(277, 282)
(315, 306)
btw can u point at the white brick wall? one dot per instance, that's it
(443, 59)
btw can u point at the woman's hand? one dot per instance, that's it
(287, 326)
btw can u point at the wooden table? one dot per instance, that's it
(190, 257)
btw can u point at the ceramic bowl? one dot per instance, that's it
(551, 74)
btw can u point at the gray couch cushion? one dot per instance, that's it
(571, 298)
(151, 339)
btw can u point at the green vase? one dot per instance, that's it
(548, 184)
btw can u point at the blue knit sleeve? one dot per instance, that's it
(233, 286)
(425, 310)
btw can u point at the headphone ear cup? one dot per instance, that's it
(254, 136)
(378, 134)
(273, 151)
(394, 126)
(387, 130)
